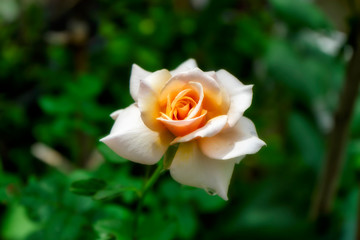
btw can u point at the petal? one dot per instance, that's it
(211, 128)
(215, 98)
(137, 73)
(132, 140)
(191, 167)
(148, 98)
(185, 66)
(115, 114)
(183, 127)
(198, 107)
(233, 142)
(240, 95)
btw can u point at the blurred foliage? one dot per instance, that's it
(65, 66)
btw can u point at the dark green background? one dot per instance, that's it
(65, 66)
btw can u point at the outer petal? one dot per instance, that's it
(149, 96)
(132, 140)
(211, 128)
(240, 95)
(233, 142)
(185, 66)
(137, 73)
(191, 167)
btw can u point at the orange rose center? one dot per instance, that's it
(183, 112)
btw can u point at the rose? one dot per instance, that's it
(202, 111)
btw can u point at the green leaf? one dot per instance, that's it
(307, 139)
(109, 154)
(300, 13)
(14, 217)
(110, 194)
(113, 229)
(87, 187)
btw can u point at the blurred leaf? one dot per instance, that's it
(57, 105)
(113, 229)
(112, 193)
(87, 187)
(154, 226)
(84, 87)
(14, 217)
(307, 139)
(9, 187)
(300, 14)
(109, 154)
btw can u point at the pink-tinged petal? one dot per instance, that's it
(191, 167)
(240, 95)
(137, 73)
(182, 127)
(211, 128)
(233, 142)
(185, 66)
(148, 98)
(132, 140)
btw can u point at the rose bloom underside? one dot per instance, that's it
(202, 111)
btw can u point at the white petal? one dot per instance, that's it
(185, 66)
(191, 167)
(148, 98)
(233, 142)
(240, 95)
(132, 140)
(137, 73)
(115, 114)
(211, 128)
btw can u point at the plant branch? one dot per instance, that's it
(334, 161)
(154, 177)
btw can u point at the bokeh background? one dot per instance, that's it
(65, 66)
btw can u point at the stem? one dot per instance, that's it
(329, 178)
(154, 177)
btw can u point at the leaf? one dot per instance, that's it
(109, 154)
(300, 13)
(87, 187)
(111, 229)
(110, 194)
(307, 139)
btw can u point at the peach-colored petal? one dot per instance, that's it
(182, 127)
(137, 73)
(148, 98)
(211, 128)
(191, 167)
(216, 100)
(233, 142)
(185, 66)
(195, 111)
(132, 140)
(240, 95)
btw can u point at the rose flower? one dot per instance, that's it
(201, 111)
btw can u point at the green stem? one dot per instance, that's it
(154, 177)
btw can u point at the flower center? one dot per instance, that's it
(182, 112)
(181, 107)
